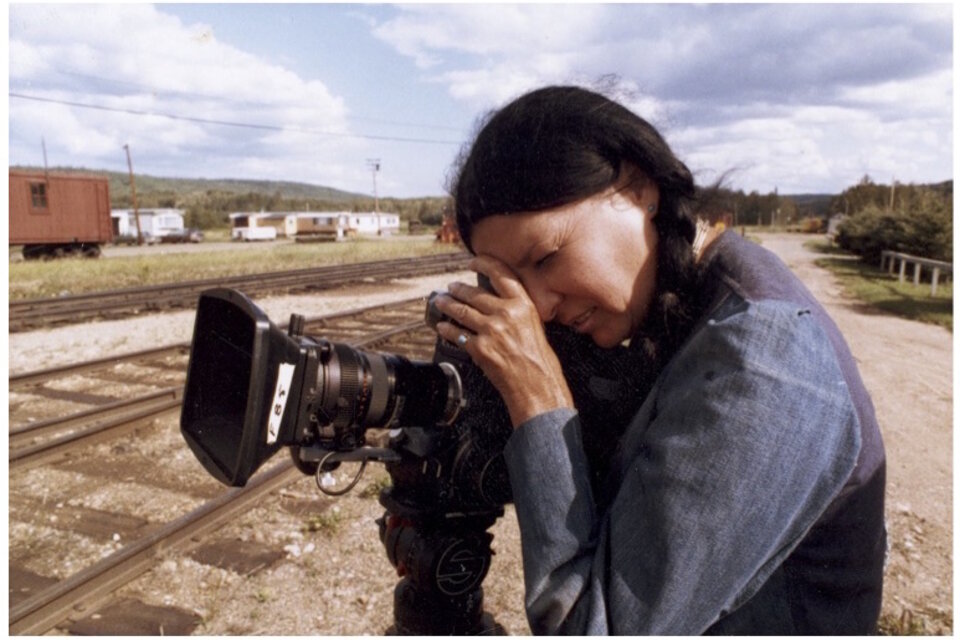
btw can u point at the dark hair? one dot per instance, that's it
(559, 145)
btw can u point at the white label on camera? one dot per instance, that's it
(280, 396)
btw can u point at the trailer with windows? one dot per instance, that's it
(311, 225)
(370, 223)
(342, 224)
(154, 225)
(55, 214)
(316, 226)
(248, 227)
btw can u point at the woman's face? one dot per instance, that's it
(590, 265)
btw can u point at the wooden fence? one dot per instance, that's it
(890, 258)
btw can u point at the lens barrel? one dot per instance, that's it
(374, 390)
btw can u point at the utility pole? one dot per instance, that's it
(133, 191)
(776, 211)
(374, 164)
(893, 189)
(46, 170)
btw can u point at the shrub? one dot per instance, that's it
(871, 231)
(927, 233)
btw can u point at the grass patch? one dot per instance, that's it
(882, 291)
(327, 522)
(81, 275)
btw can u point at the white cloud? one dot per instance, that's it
(815, 149)
(928, 94)
(428, 32)
(134, 57)
(802, 97)
(58, 122)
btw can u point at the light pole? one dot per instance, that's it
(374, 164)
(133, 191)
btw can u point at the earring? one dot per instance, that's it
(651, 208)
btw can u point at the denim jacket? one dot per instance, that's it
(748, 488)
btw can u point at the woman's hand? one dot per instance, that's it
(505, 338)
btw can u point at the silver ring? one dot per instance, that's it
(462, 339)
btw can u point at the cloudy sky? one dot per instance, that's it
(803, 98)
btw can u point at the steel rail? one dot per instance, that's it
(92, 585)
(39, 311)
(95, 584)
(37, 376)
(26, 434)
(31, 456)
(154, 298)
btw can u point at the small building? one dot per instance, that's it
(370, 223)
(343, 223)
(254, 226)
(153, 222)
(323, 225)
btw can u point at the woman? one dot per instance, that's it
(745, 494)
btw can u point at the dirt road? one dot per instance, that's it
(907, 366)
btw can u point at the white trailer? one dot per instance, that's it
(324, 224)
(153, 222)
(248, 227)
(370, 223)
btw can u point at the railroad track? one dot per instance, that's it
(41, 312)
(62, 458)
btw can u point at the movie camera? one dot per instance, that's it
(253, 389)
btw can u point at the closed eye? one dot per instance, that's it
(545, 259)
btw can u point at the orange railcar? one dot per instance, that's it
(54, 214)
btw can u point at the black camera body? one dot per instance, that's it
(459, 469)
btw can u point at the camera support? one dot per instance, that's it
(448, 488)
(442, 560)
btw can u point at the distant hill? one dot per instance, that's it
(183, 188)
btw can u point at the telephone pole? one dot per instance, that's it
(133, 191)
(776, 211)
(374, 164)
(46, 170)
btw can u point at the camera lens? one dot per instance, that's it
(374, 390)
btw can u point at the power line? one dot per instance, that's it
(229, 123)
(196, 94)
